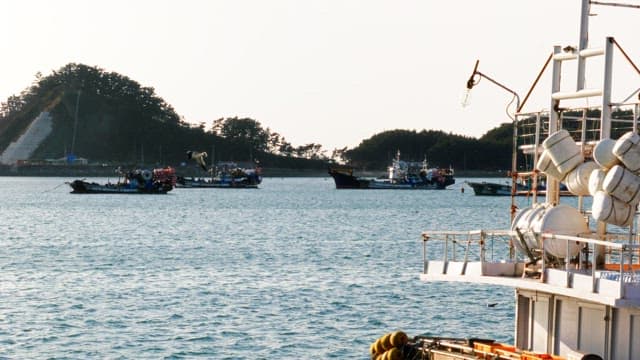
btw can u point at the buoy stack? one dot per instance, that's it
(389, 346)
(613, 178)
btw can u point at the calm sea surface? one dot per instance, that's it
(295, 269)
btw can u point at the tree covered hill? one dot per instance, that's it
(491, 152)
(109, 118)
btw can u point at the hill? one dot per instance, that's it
(490, 152)
(108, 118)
(111, 120)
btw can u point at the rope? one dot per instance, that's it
(625, 55)
(54, 188)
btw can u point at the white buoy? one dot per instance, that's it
(577, 180)
(546, 218)
(564, 152)
(610, 210)
(522, 222)
(546, 165)
(603, 153)
(623, 185)
(595, 181)
(561, 220)
(627, 149)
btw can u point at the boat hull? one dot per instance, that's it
(346, 180)
(84, 187)
(490, 189)
(192, 183)
(496, 189)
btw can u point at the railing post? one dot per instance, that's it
(566, 264)
(622, 255)
(425, 238)
(446, 248)
(482, 238)
(454, 242)
(594, 262)
(466, 251)
(544, 263)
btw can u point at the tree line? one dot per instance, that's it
(110, 118)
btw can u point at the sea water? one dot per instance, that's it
(294, 269)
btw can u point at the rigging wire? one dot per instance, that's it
(55, 187)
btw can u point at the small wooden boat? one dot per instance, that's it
(492, 189)
(504, 189)
(139, 181)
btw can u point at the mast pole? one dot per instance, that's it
(584, 41)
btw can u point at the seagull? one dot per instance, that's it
(198, 157)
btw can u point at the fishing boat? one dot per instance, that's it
(485, 188)
(225, 175)
(575, 269)
(138, 181)
(401, 175)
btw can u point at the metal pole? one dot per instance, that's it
(534, 183)
(622, 254)
(446, 248)
(594, 262)
(75, 123)
(424, 254)
(584, 41)
(566, 264)
(552, 184)
(636, 113)
(605, 128)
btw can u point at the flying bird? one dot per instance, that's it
(198, 157)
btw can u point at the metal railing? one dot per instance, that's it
(617, 252)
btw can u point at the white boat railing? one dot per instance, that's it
(620, 260)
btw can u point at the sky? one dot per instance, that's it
(333, 72)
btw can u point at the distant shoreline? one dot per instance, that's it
(109, 171)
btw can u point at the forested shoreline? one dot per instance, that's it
(110, 119)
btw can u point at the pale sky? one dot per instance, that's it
(333, 72)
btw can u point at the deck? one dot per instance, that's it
(488, 257)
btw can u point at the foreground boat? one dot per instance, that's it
(401, 175)
(139, 181)
(225, 176)
(575, 269)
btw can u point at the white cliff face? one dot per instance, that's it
(22, 148)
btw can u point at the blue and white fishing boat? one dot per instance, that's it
(226, 175)
(401, 175)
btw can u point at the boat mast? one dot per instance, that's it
(213, 161)
(584, 41)
(75, 122)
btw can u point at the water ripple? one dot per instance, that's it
(295, 269)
